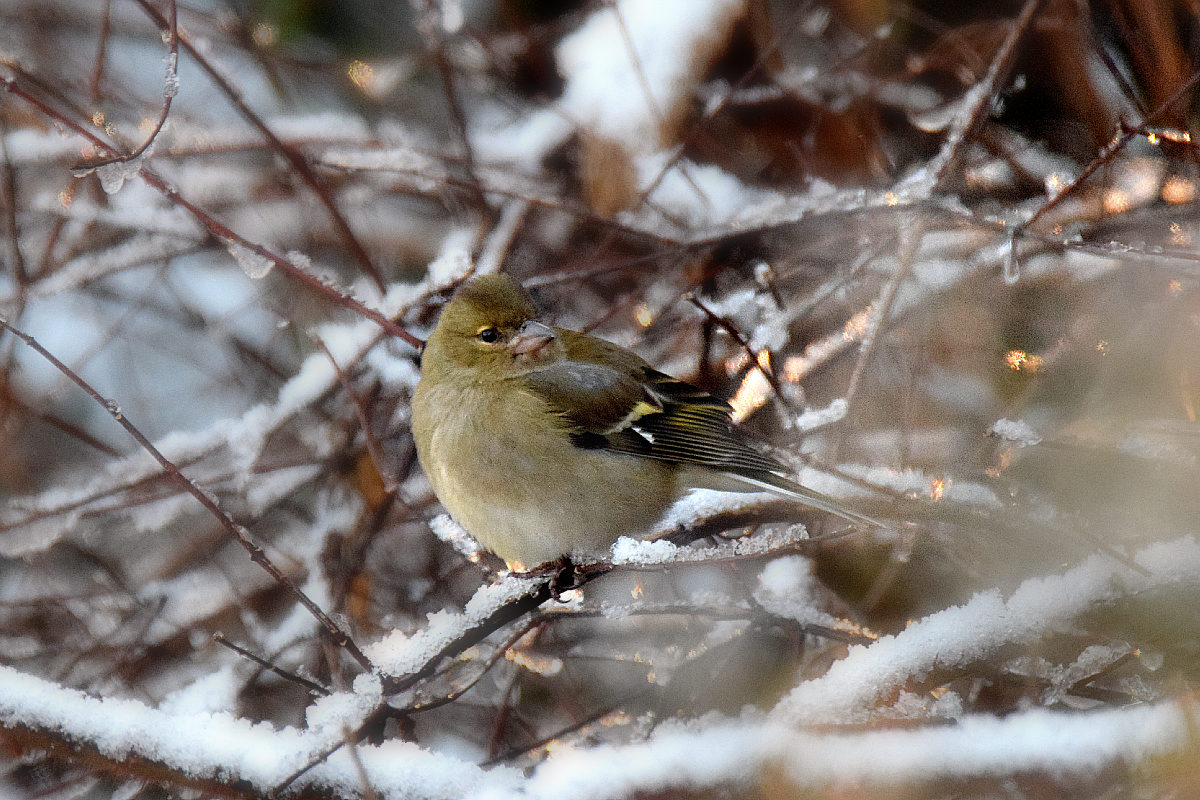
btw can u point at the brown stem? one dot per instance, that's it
(239, 533)
(728, 326)
(294, 159)
(219, 230)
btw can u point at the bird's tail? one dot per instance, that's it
(776, 484)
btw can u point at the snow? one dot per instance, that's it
(633, 551)
(915, 481)
(201, 744)
(702, 197)
(25, 535)
(960, 635)
(736, 754)
(170, 76)
(627, 552)
(220, 746)
(453, 262)
(699, 504)
(45, 518)
(631, 73)
(814, 418)
(214, 692)
(138, 209)
(445, 528)
(788, 589)
(34, 146)
(191, 598)
(317, 126)
(345, 711)
(606, 83)
(204, 743)
(1016, 431)
(139, 249)
(401, 159)
(268, 488)
(524, 141)
(399, 653)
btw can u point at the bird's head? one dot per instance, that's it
(491, 326)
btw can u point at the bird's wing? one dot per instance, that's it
(591, 398)
(693, 427)
(613, 400)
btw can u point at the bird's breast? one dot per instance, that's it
(508, 472)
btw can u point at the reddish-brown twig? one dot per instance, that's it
(170, 87)
(218, 229)
(290, 677)
(294, 159)
(731, 329)
(239, 533)
(963, 127)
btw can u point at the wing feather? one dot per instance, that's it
(611, 399)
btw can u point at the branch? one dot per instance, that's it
(239, 533)
(219, 230)
(293, 158)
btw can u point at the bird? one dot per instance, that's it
(546, 443)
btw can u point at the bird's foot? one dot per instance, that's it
(567, 577)
(563, 573)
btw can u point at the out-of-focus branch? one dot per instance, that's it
(1106, 154)
(24, 738)
(257, 554)
(170, 88)
(218, 229)
(964, 125)
(294, 159)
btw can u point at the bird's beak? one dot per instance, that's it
(531, 337)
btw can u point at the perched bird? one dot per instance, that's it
(543, 442)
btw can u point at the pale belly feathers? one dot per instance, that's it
(499, 488)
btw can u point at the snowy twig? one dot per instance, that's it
(294, 159)
(727, 325)
(1119, 142)
(975, 112)
(257, 554)
(218, 229)
(170, 89)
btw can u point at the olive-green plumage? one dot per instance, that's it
(543, 442)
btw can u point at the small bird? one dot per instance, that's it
(544, 442)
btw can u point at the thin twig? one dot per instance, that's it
(101, 52)
(239, 533)
(290, 677)
(1107, 152)
(170, 88)
(294, 159)
(372, 441)
(660, 118)
(728, 326)
(9, 178)
(429, 25)
(505, 614)
(499, 653)
(515, 753)
(881, 311)
(698, 128)
(219, 230)
(963, 127)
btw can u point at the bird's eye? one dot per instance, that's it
(488, 336)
